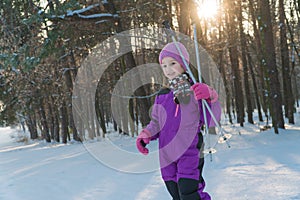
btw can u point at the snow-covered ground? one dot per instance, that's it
(258, 166)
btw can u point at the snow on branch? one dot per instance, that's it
(80, 12)
(95, 15)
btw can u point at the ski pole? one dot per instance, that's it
(204, 102)
(172, 34)
(200, 81)
(200, 75)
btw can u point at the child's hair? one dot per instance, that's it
(170, 50)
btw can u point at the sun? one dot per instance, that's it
(207, 8)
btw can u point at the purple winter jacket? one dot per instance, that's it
(176, 126)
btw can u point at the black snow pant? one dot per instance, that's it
(185, 189)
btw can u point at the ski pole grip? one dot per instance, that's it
(168, 30)
(166, 23)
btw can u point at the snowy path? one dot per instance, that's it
(258, 166)
(61, 172)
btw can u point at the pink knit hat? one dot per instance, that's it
(170, 50)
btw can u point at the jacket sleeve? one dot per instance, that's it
(153, 127)
(216, 110)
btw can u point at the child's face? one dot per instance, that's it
(171, 67)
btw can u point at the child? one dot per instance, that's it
(176, 121)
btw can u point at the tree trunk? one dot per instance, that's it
(45, 129)
(270, 58)
(124, 102)
(91, 119)
(295, 80)
(255, 87)
(101, 117)
(245, 65)
(285, 64)
(56, 128)
(260, 57)
(31, 124)
(51, 119)
(69, 84)
(222, 69)
(184, 17)
(64, 122)
(233, 53)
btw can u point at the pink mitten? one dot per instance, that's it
(203, 91)
(142, 140)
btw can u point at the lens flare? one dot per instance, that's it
(207, 9)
